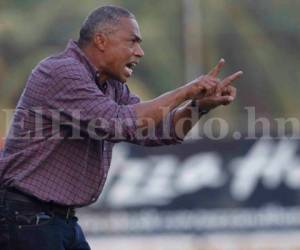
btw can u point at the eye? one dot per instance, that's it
(131, 42)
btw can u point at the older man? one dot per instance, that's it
(74, 107)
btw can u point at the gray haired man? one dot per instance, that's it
(83, 107)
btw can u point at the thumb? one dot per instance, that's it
(224, 100)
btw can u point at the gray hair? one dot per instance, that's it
(102, 19)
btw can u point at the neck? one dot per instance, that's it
(92, 54)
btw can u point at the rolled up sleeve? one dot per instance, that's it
(161, 134)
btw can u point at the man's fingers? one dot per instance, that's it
(219, 90)
(229, 79)
(216, 70)
(212, 102)
(208, 89)
(208, 86)
(229, 91)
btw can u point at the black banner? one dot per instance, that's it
(200, 186)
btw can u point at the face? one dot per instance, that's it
(121, 51)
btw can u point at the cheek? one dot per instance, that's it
(119, 56)
(123, 57)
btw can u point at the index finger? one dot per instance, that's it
(229, 79)
(216, 70)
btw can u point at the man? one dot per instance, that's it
(73, 109)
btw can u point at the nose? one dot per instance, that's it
(139, 52)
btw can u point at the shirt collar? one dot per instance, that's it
(74, 49)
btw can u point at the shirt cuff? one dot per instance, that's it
(170, 121)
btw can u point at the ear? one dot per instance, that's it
(100, 41)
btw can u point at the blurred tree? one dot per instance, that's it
(260, 37)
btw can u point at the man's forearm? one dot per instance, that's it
(153, 109)
(185, 118)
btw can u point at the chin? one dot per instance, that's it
(121, 79)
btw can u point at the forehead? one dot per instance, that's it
(129, 26)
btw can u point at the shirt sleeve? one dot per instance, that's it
(80, 102)
(159, 135)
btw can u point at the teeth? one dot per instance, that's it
(131, 65)
(129, 70)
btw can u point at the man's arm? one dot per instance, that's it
(80, 103)
(185, 117)
(203, 85)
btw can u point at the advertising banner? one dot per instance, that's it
(204, 186)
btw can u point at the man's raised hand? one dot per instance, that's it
(224, 93)
(206, 85)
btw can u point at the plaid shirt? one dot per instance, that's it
(60, 143)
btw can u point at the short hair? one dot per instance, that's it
(101, 19)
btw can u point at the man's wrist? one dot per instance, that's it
(185, 92)
(201, 111)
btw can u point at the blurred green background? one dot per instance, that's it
(182, 39)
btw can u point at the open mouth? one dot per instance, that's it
(129, 67)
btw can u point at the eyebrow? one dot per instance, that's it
(137, 38)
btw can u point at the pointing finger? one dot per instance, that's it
(229, 79)
(216, 70)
